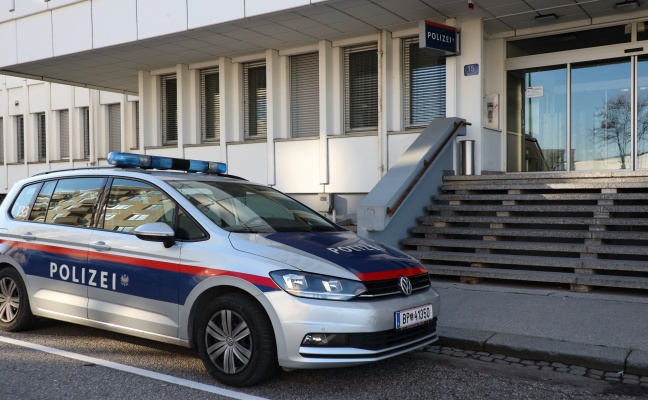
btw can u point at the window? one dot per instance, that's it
(304, 95)
(570, 41)
(64, 134)
(210, 105)
(169, 109)
(82, 193)
(361, 88)
(85, 129)
(1, 141)
(254, 100)
(425, 84)
(128, 200)
(20, 138)
(20, 208)
(137, 130)
(114, 127)
(41, 136)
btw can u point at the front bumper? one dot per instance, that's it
(369, 325)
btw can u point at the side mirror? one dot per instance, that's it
(156, 232)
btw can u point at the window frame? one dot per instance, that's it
(349, 82)
(247, 110)
(209, 133)
(304, 95)
(408, 86)
(169, 109)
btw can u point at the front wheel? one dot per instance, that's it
(15, 313)
(235, 341)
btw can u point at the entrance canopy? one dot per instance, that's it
(103, 45)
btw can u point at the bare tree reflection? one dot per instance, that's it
(613, 125)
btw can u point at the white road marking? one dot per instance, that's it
(133, 370)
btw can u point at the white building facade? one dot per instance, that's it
(314, 96)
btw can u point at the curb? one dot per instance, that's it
(604, 358)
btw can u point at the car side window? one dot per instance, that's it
(187, 228)
(39, 210)
(74, 201)
(23, 203)
(133, 203)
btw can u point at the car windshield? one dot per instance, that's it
(241, 207)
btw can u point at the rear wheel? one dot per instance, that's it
(235, 341)
(15, 313)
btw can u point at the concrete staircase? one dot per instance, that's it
(583, 229)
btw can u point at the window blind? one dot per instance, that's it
(64, 134)
(41, 136)
(85, 111)
(304, 95)
(255, 100)
(114, 127)
(361, 88)
(210, 105)
(20, 137)
(425, 84)
(2, 160)
(169, 109)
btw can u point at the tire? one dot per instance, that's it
(15, 312)
(235, 341)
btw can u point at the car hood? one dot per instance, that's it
(342, 254)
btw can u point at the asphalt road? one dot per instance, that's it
(104, 365)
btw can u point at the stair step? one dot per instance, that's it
(533, 233)
(528, 246)
(543, 197)
(491, 219)
(541, 276)
(550, 208)
(530, 261)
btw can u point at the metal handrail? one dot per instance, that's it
(426, 164)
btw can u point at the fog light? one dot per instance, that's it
(325, 339)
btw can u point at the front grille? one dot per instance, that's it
(393, 337)
(390, 287)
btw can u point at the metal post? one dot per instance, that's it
(467, 157)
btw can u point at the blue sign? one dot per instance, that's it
(471, 69)
(440, 38)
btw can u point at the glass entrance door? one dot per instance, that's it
(537, 127)
(601, 115)
(599, 110)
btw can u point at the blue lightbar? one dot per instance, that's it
(129, 160)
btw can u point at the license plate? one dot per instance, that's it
(413, 316)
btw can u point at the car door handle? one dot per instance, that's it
(100, 246)
(28, 236)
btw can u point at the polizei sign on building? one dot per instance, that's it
(441, 38)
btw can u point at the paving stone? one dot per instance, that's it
(558, 365)
(459, 354)
(577, 367)
(599, 377)
(542, 363)
(643, 379)
(482, 353)
(484, 358)
(577, 372)
(595, 372)
(501, 362)
(446, 352)
(612, 379)
(512, 359)
(526, 362)
(630, 376)
(631, 381)
(546, 368)
(562, 369)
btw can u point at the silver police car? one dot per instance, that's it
(178, 251)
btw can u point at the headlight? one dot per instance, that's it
(302, 284)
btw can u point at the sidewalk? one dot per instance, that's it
(603, 331)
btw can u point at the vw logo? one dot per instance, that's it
(405, 285)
